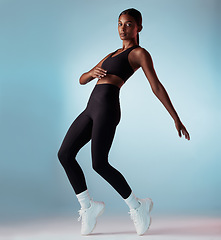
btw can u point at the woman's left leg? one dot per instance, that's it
(103, 131)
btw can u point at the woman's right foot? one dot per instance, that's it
(89, 216)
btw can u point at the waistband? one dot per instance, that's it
(107, 85)
(105, 91)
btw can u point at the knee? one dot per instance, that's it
(61, 157)
(64, 157)
(100, 168)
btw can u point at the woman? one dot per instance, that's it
(100, 118)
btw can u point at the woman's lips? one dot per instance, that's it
(122, 34)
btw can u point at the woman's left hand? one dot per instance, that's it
(181, 129)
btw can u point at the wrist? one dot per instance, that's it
(90, 74)
(176, 119)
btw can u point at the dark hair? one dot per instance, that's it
(136, 15)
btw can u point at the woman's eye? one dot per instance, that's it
(128, 24)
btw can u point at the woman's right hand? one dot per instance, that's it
(98, 72)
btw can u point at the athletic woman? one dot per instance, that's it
(100, 118)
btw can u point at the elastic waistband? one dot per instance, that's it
(105, 91)
(107, 85)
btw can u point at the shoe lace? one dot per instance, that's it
(81, 213)
(133, 215)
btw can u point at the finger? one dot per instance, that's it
(98, 76)
(99, 70)
(101, 74)
(183, 132)
(179, 133)
(187, 135)
(102, 70)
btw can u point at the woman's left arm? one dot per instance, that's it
(143, 58)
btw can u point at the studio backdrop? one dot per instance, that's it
(46, 45)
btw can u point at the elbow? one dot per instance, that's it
(156, 90)
(80, 80)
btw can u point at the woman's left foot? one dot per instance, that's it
(141, 215)
(89, 216)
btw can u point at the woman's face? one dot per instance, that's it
(127, 27)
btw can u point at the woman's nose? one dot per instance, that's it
(122, 28)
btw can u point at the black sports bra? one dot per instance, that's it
(119, 64)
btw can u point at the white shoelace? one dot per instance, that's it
(133, 215)
(81, 212)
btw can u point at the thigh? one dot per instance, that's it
(78, 134)
(103, 132)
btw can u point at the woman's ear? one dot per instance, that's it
(139, 28)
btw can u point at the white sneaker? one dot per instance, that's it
(89, 216)
(141, 215)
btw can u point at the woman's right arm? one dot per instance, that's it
(95, 72)
(85, 78)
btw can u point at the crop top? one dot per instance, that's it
(119, 64)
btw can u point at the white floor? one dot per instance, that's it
(116, 227)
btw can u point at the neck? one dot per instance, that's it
(128, 44)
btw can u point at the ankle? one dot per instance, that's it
(132, 201)
(84, 199)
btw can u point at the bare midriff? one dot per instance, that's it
(111, 79)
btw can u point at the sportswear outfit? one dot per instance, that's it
(98, 123)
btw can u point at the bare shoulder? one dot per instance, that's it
(142, 55)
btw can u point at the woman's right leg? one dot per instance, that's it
(78, 134)
(76, 137)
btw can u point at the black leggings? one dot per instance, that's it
(97, 122)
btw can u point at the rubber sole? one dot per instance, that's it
(151, 204)
(150, 208)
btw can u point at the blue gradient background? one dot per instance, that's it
(46, 45)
